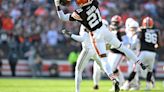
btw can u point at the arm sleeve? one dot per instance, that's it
(159, 40)
(62, 16)
(79, 38)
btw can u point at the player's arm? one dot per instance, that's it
(82, 35)
(66, 17)
(61, 15)
(158, 40)
(79, 38)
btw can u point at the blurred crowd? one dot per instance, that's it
(34, 24)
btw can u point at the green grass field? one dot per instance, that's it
(59, 85)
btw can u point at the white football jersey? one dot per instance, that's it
(84, 37)
(132, 38)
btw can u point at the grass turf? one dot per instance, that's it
(60, 85)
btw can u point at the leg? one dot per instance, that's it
(150, 56)
(98, 41)
(12, 67)
(129, 53)
(114, 60)
(33, 69)
(135, 84)
(121, 77)
(73, 69)
(80, 65)
(133, 73)
(96, 75)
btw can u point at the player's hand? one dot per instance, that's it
(66, 33)
(112, 27)
(57, 3)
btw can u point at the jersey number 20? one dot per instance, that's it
(151, 37)
(94, 18)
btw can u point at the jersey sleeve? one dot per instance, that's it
(75, 16)
(71, 18)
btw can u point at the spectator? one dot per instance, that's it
(7, 23)
(1, 54)
(13, 56)
(38, 65)
(31, 60)
(30, 17)
(72, 58)
(52, 35)
(151, 7)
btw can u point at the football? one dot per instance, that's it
(65, 2)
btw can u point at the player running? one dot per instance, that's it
(149, 40)
(89, 15)
(114, 56)
(131, 28)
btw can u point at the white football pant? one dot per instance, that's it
(102, 35)
(85, 55)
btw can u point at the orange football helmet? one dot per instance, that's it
(116, 20)
(147, 22)
(83, 2)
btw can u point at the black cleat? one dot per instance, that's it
(96, 87)
(116, 85)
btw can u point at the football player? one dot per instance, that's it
(114, 56)
(86, 54)
(89, 15)
(133, 43)
(149, 40)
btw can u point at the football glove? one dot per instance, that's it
(57, 3)
(66, 33)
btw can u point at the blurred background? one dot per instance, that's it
(32, 45)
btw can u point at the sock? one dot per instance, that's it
(131, 77)
(96, 74)
(148, 77)
(115, 71)
(106, 66)
(78, 78)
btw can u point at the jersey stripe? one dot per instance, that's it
(83, 58)
(94, 44)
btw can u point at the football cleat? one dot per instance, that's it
(116, 85)
(125, 86)
(96, 87)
